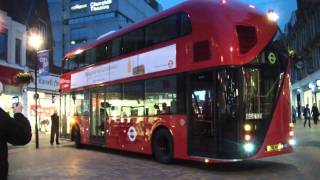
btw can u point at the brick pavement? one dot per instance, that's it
(66, 162)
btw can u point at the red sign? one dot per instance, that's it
(65, 82)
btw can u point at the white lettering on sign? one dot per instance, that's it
(101, 5)
(253, 116)
(150, 62)
(47, 83)
(78, 7)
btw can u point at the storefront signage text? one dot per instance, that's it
(78, 7)
(50, 83)
(100, 5)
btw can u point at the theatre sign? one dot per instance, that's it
(94, 6)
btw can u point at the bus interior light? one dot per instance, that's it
(248, 147)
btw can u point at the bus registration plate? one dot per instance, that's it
(274, 147)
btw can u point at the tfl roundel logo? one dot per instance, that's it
(132, 134)
(170, 64)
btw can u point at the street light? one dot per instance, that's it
(272, 16)
(35, 41)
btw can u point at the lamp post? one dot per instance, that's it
(35, 41)
(272, 15)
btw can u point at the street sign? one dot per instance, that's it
(43, 57)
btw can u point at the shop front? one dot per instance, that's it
(10, 89)
(48, 102)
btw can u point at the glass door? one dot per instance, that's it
(98, 116)
(201, 114)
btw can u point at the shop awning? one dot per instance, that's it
(7, 75)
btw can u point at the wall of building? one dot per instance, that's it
(14, 32)
(303, 32)
(81, 22)
(56, 9)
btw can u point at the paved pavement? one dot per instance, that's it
(66, 162)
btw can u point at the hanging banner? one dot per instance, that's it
(43, 57)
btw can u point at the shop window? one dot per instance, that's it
(133, 99)
(79, 35)
(18, 51)
(3, 44)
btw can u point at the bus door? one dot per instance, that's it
(201, 105)
(98, 116)
(228, 118)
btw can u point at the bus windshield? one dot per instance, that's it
(262, 79)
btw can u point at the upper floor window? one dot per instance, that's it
(78, 35)
(18, 51)
(3, 44)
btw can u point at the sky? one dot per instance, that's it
(283, 7)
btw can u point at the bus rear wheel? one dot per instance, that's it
(162, 146)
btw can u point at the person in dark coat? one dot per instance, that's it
(54, 128)
(315, 113)
(307, 115)
(293, 111)
(16, 131)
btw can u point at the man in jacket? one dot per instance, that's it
(16, 131)
(54, 128)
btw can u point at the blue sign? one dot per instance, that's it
(43, 57)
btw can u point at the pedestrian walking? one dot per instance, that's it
(54, 128)
(307, 115)
(315, 113)
(293, 114)
(16, 131)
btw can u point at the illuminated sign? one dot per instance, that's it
(318, 82)
(100, 5)
(78, 7)
(150, 62)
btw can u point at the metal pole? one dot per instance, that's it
(36, 97)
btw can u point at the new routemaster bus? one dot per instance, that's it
(205, 80)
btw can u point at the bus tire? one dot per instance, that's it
(162, 146)
(77, 137)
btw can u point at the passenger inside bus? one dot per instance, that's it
(165, 109)
(206, 107)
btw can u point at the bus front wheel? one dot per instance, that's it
(162, 146)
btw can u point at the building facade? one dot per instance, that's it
(17, 19)
(84, 21)
(12, 59)
(303, 32)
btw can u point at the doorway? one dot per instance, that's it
(213, 113)
(98, 116)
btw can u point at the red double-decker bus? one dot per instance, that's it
(204, 81)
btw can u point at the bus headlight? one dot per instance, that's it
(248, 147)
(292, 142)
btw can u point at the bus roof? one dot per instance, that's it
(189, 7)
